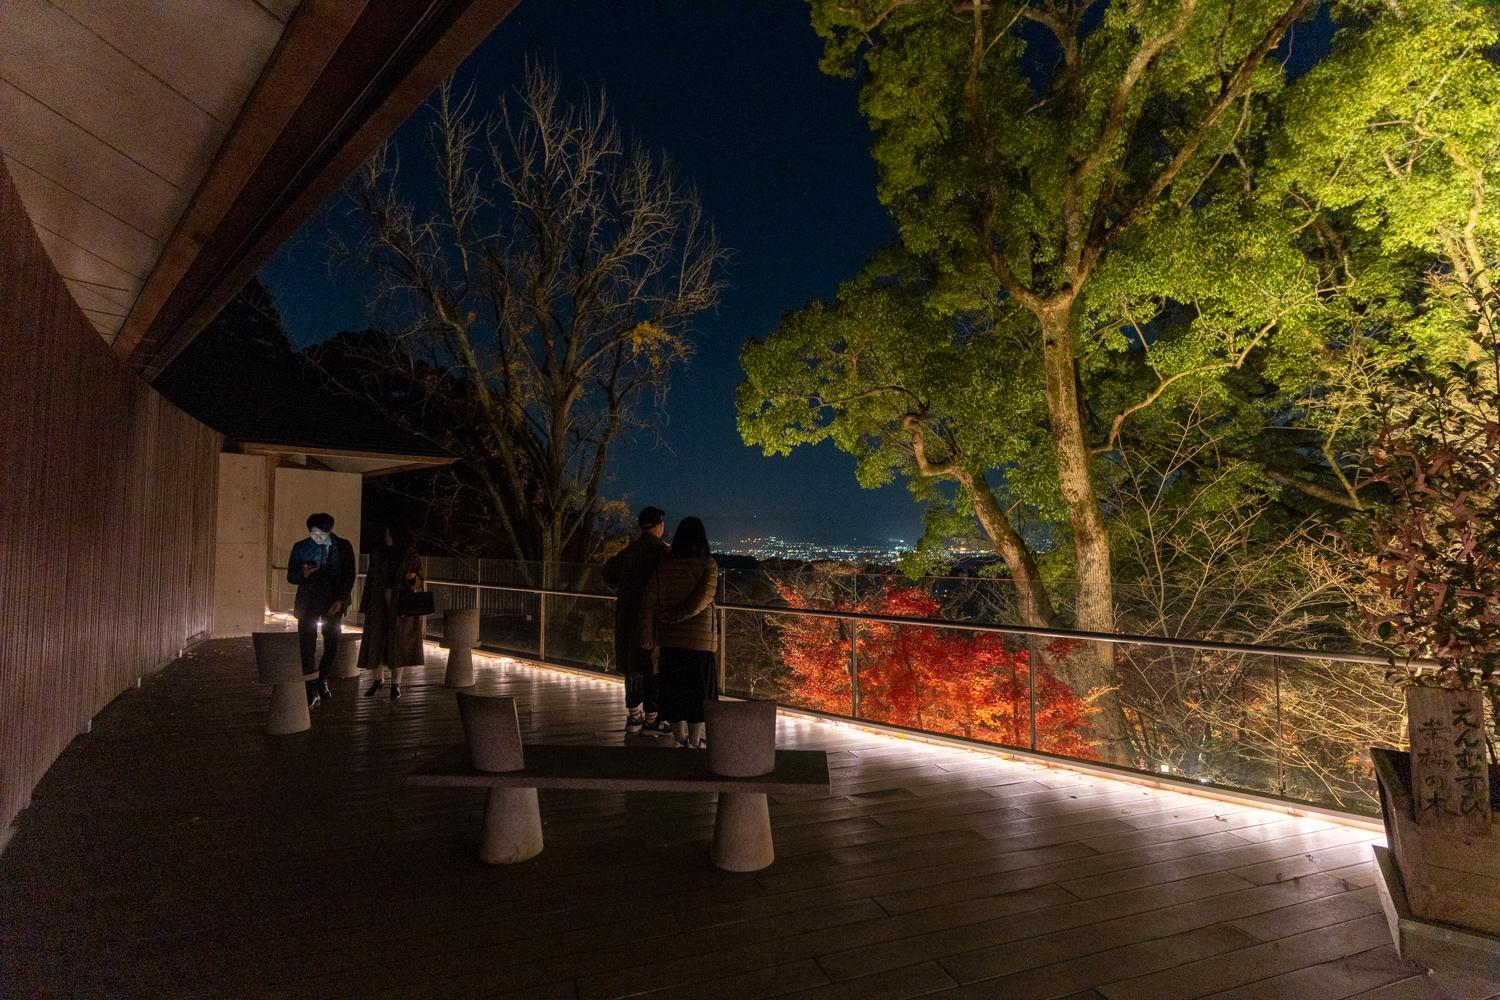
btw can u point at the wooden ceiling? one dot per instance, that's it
(110, 115)
(165, 148)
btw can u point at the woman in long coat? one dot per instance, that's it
(391, 640)
(677, 616)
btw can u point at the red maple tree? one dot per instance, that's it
(937, 680)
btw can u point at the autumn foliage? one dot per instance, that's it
(936, 680)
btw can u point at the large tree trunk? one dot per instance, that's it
(1033, 606)
(1090, 670)
(552, 554)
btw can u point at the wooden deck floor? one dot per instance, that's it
(177, 851)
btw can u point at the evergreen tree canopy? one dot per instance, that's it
(1113, 214)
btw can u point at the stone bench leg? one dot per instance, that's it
(512, 827)
(460, 668)
(346, 664)
(742, 833)
(288, 709)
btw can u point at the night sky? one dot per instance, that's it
(732, 92)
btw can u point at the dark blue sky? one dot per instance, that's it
(732, 92)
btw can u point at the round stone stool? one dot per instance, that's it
(742, 737)
(278, 662)
(742, 744)
(346, 663)
(512, 829)
(492, 730)
(460, 636)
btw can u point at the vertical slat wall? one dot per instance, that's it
(107, 496)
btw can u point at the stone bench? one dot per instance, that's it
(512, 823)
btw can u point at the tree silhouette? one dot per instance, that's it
(546, 284)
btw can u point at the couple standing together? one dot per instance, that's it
(665, 634)
(323, 568)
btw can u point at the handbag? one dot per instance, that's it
(415, 602)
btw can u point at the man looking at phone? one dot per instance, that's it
(322, 566)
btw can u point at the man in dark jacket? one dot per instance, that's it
(322, 566)
(628, 571)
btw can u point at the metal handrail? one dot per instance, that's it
(1029, 631)
(850, 620)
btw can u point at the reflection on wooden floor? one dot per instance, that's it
(177, 851)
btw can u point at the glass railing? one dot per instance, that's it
(1286, 722)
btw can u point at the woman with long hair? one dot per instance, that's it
(392, 640)
(677, 619)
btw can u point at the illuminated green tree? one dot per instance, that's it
(1106, 210)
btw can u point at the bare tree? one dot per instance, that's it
(1191, 538)
(544, 284)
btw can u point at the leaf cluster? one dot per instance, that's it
(1435, 554)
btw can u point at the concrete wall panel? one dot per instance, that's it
(108, 493)
(241, 550)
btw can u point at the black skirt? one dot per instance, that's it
(689, 677)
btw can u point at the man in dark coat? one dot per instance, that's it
(628, 571)
(322, 565)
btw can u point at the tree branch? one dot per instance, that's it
(1114, 123)
(1238, 81)
(1162, 385)
(928, 467)
(1315, 491)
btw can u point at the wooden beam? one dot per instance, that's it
(264, 448)
(309, 42)
(375, 63)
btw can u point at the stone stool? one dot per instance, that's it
(278, 662)
(460, 636)
(742, 744)
(512, 829)
(346, 663)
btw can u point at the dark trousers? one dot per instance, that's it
(642, 689)
(307, 632)
(689, 677)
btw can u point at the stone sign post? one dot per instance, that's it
(1449, 773)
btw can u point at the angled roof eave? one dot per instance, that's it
(342, 78)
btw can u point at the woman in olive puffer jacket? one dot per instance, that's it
(677, 617)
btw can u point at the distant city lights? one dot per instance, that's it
(774, 547)
(889, 551)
